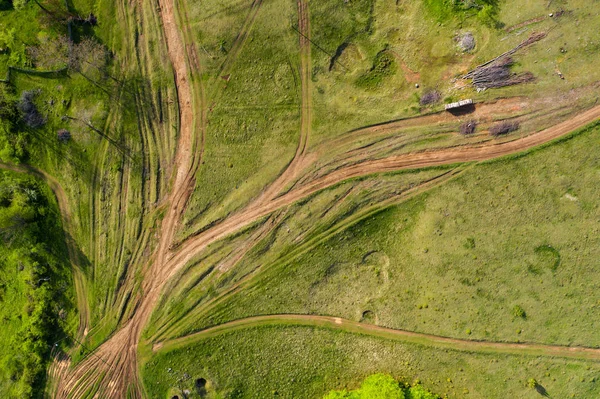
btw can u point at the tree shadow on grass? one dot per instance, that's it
(542, 391)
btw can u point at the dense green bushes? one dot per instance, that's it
(485, 10)
(383, 386)
(34, 285)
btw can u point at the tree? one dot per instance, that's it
(89, 58)
(29, 112)
(381, 386)
(51, 54)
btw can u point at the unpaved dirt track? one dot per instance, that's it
(350, 326)
(113, 366)
(406, 161)
(120, 349)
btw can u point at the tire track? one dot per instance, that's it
(240, 39)
(354, 327)
(120, 376)
(197, 243)
(296, 165)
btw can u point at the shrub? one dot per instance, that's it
(505, 127)
(29, 112)
(468, 127)
(532, 383)
(519, 312)
(383, 386)
(430, 97)
(63, 135)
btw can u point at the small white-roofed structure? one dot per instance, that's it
(459, 104)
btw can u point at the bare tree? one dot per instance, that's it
(468, 127)
(505, 127)
(89, 58)
(52, 53)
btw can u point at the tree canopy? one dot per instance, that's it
(383, 386)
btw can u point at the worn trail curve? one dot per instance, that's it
(355, 327)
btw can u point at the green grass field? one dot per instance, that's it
(455, 260)
(305, 362)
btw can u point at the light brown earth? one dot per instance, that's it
(338, 323)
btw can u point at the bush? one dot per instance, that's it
(383, 386)
(502, 128)
(29, 112)
(430, 97)
(63, 135)
(519, 312)
(468, 127)
(19, 4)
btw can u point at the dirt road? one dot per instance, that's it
(350, 326)
(406, 161)
(111, 371)
(120, 349)
(113, 367)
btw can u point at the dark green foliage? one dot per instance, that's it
(485, 10)
(13, 140)
(384, 65)
(5, 5)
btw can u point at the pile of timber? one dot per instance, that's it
(496, 72)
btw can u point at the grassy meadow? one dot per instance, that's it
(500, 251)
(306, 362)
(457, 259)
(119, 108)
(252, 92)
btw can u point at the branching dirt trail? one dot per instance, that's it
(406, 161)
(350, 326)
(120, 350)
(112, 370)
